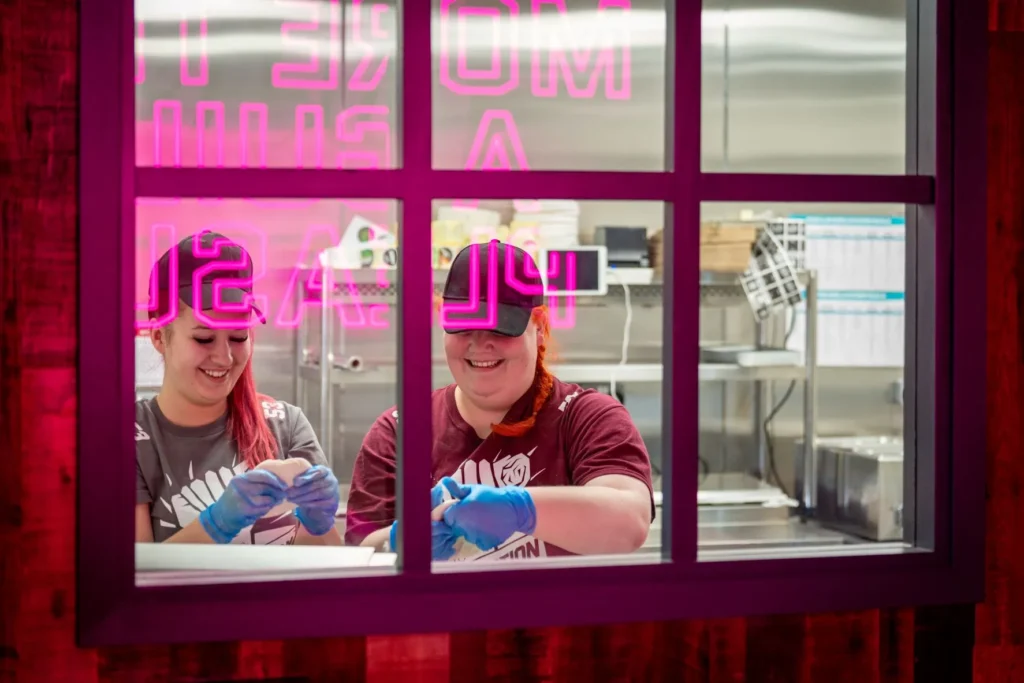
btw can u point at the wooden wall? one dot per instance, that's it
(37, 462)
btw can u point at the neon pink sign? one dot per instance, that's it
(352, 311)
(582, 72)
(161, 239)
(366, 76)
(203, 77)
(360, 136)
(481, 313)
(577, 56)
(307, 76)
(482, 45)
(305, 284)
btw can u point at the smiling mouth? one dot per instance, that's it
(484, 364)
(215, 374)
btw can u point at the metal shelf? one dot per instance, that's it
(576, 373)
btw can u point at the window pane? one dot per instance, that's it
(760, 266)
(201, 438)
(263, 83)
(548, 321)
(815, 86)
(549, 84)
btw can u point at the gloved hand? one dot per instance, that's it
(486, 515)
(316, 494)
(246, 499)
(442, 536)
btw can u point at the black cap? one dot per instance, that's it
(204, 248)
(503, 273)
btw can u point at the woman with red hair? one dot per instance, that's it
(524, 465)
(199, 442)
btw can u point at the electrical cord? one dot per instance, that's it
(766, 425)
(627, 325)
(704, 468)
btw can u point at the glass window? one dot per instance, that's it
(262, 83)
(548, 364)
(549, 85)
(317, 363)
(775, 281)
(817, 86)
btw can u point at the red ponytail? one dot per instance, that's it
(246, 421)
(543, 381)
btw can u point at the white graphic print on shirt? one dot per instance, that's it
(502, 471)
(200, 493)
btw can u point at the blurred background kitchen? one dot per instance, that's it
(789, 86)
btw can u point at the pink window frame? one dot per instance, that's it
(945, 194)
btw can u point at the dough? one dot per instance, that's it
(286, 470)
(437, 514)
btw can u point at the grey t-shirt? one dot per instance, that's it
(182, 470)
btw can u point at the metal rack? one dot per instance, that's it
(716, 290)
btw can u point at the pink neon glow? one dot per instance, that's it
(505, 134)
(349, 131)
(290, 314)
(494, 71)
(219, 284)
(360, 80)
(305, 76)
(375, 28)
(161, 239)
(217, 108)
(451, 312)
(245, 110)
(562, 314)
(362, 137)
(140, 52)
(174, 107)
(493, 85)
(204, 67)
(582, 73)
(317, 112)
(494, 144)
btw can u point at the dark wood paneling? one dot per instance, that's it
(37, 487)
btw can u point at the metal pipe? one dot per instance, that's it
(810, 492)
(326, 363)
(758, 410)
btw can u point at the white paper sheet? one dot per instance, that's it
(860, 264)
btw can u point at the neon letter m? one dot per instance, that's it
(579, 51)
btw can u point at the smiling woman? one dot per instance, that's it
(201, 440)
(523, 464)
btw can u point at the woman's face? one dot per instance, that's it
(200, 363)
(493, 371)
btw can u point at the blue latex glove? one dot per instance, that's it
(442, 536)
(486, 515)
(316, 494)
(246, 499)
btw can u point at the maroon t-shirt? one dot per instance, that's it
(579, 434)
